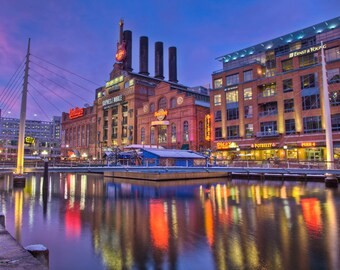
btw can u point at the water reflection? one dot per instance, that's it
(93, 223)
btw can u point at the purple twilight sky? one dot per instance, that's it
(81, 35)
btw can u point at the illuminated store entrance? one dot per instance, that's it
(162, 134)
(314, 154)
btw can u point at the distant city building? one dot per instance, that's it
(79, 128)
(39, 136)
(266, 102)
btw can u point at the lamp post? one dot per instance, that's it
(285, 147)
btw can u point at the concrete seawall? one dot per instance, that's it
(14, 256)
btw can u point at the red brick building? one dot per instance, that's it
(174, 118)
(79, 128)
(267, 100)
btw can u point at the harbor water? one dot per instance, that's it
(91, 222)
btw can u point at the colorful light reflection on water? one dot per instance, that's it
(89, 222)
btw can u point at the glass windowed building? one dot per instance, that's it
(267, 101)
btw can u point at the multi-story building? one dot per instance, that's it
(174, 118)
(41, 137)
(79, 128)
(121, 101)
(267, 100)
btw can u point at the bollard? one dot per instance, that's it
(40, 252)
(45, 169)
(2, 220)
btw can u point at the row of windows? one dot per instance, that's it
(311, 124)
(163, 137)
(308, 103)
(305, 60)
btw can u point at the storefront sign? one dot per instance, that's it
(226, 145)
(160, 114)
(207, 124)
(113, 100)
(160, 123)
(263, 145)
(231, 88)
(76, 112)
(114, 81)
(308, 144)
(29, 140)
(305, 51)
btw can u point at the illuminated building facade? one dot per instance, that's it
(122, 102)
(39, 136)
(174, 118)
(79, 133)
(267, 100)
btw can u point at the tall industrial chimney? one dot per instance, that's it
(127, 36)
(159, 60)
(144, 56)
(172, 65)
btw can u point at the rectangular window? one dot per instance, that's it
(231, 96)
(333, 75)
(248, 111)
(268, 90)
(290, 126)
(218, 133)
(308, 81)
(308, 59)
(334, 98)
(335, 118)
(249, 130)
(268, 128)
(247, 94)
(232, 132)
(232, 79)
(247, 75)
(218, 116)
(217, 100)
(332, 54)
(288, 105)
(218, 83)
(287, 85)
(232, 114)
(287, 65)
(312, 124)
(311, 102)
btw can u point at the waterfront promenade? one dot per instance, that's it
(249, 170)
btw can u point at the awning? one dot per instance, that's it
(185, 147)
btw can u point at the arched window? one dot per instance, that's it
(162, 103)
(152, 107)
(173, 133)
(173, 103)
(185, 131)
(142, 135)
(200, 131)
(152, 135)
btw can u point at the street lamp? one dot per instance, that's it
(285, 147)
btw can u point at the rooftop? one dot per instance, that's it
(283, 40)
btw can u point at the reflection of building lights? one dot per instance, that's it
(209, 222)
(159, 225)
(311, 212)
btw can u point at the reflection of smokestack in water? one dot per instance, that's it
(172, 65)
(159, 60)
(127, 36)
(143, 56)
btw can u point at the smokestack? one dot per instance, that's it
(159, 60)
(144, 56)
(127, 36)
(172, 65)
